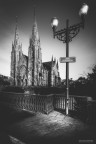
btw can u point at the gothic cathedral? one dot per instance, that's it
(29, 70)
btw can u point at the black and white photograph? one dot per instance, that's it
(47, 72)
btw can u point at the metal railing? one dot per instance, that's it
(60, 102)
(40, 103)
(46, 103)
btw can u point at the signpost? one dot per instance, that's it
(66, 36)
(67, 59)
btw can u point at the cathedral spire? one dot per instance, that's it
(52, 58)
(55, 60)
(52, 61)
(35, 34)
(16, 39)
(57, 64)
(34, 14)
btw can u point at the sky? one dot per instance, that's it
(83, 46)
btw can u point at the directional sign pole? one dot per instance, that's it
(67, 67)
(67, 59)
(66, 35)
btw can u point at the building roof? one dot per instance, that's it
(48, 65)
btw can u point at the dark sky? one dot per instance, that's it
(83, 46)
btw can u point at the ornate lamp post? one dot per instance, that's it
(65, 35)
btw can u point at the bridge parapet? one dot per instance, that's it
(36, 103)
(82, 106)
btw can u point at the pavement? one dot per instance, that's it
(25, 127)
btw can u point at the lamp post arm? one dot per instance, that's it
(73, 31)
(61, 34)
(76, 26)
(62, 31)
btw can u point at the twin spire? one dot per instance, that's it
(34, 30)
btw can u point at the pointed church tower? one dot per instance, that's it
(15, 56)
(35, 34)
(16, 38)
(52, 58)
(34, 56)
(57, 65)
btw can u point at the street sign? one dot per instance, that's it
(67, 59)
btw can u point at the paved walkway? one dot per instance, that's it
(55, 127)
(33, 128)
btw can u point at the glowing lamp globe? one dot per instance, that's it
(54, 22)
(84, 9)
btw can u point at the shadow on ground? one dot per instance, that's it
(11, 120)
(9, 116)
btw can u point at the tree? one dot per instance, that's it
(91, 77)
(4, 80)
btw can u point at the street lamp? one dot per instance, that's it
(66, 36)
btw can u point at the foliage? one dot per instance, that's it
(81, 108)
(15, 89)
(85, 86)
(4, 81)
(45, 90)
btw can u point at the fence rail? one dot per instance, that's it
(60, 102)
(34, 103)
(47, 103)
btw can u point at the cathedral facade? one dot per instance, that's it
(30, 70)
